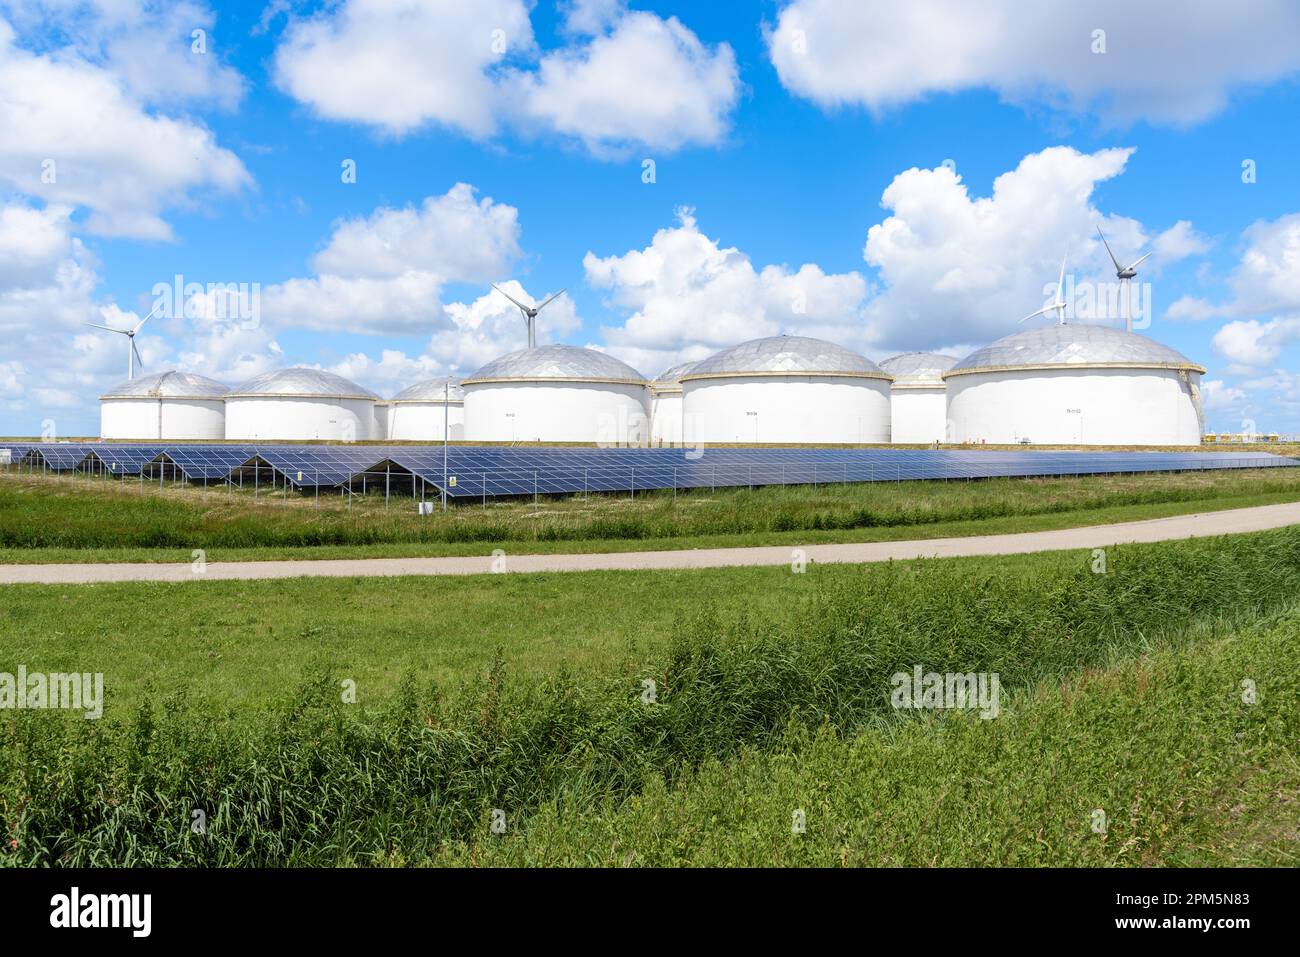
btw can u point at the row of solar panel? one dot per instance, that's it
(473, 471)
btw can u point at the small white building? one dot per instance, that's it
(918, 403)
(428, 411)
(1075, 385)
(300, 404)
(165, 405)
(556, 393)
(786, 389)
(666, 405)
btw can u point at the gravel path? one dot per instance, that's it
(1224, 522)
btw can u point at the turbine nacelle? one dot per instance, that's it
(1125, 275)
(132, 353)
(530, 312)
(1057, 305)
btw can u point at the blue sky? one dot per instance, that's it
(780, 133)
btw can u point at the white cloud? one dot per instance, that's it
(1165, 61)
(475, 333)
(1265, 283)
(649, 81)
(1178, 242)
(1268, 277)
(961, 268)
(1218, 396)
(385, 273)
(689, 296)
(589, 17)
(151, 48)
(1191, 309)
(73, 133)
(399, 65)
(1249, 342)
(490, 326)
(47, 277)
(455, 235)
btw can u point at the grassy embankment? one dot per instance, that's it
(65, 519)
(1123, 693)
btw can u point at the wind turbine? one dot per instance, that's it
(530, 313)
(132, 353)
(1058, 304)
(1125, 275)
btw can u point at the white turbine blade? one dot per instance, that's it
(1060, 282)
(137, 354)
(550, 300)
(1139, 262)
(1040, 312)
(106, 328)
(1118, 267)
(143, 321)
(508, 296)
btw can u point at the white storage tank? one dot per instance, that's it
(1075, 385)
(423, 411)
(666, 405)
(300, 404)
(165, 405)
(918, 404)
(786, 389)
(556, 393)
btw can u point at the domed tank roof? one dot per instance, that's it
(168, 385)
(432, 390)
(670, 380)
(918, 369)
(300, 381)
(1070, 346)
(547, 363)
(785, 355)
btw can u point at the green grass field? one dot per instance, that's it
(59, 519)
(1124, 693)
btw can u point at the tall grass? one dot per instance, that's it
(322, 782)
(84, 513)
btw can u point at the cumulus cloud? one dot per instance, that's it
(1249, 342)
(689, 296)
(162, 53)
(1263, 307)
(1218, 396)
(587, 17)
(385, 273)
(962, 268)
(400, 65)
(456, 235)
(475, 333)
(73, 133)
(46, 274)
(648, 81)
(1165, 61)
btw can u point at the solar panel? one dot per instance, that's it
(57, 456)
(482, 471)
(205, 462)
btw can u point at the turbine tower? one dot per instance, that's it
(1125, 275)
(1057, 305)
(132, 353)
(530, 313)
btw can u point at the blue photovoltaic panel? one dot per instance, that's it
(500, 470)
(58, 456)
(206, 462)
(122, 459)
(308, 466)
